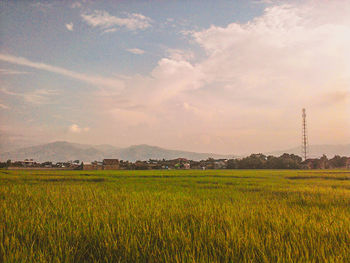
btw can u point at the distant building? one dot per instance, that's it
(88, 166)
(220, 164)
(110, 164)
(187, 166)
(106, 164)
(28, 162)
(91, 166)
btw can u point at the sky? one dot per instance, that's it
(208, 76)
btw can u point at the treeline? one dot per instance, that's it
(254, 161)
(261, 161)
(287, 161)
(325, 163)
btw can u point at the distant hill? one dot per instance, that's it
(64, 151)
(56, 151)
(146, 152)
(316, 151)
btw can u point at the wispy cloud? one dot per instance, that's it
(38, 96)
(2, 106)
(8, 92)
(110, 30)
(136, 51)
(109, 23)
(69, 26)
(11, 72)
(94, 80)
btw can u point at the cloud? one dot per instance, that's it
(109, 23)
(74, 128)
(7, 92)
(3, 106)
(178, 54)
(11, 72)
(252, 79)
(110, 30)
(166, 81)
(136, 51)
(94, 80)
(188, 107)
(297, 50)
(38, 96)
(174, 76)
(239, 89)
(69, 26)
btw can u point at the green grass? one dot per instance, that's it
(175, 216)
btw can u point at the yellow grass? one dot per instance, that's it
(175, 216)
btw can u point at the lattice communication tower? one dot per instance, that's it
(305, 143)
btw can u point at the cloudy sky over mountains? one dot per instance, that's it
(209, 76)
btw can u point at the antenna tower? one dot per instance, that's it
(304, 147)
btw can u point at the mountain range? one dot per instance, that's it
(64, 151)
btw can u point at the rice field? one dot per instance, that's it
(175, 216)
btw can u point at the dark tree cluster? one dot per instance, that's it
(261, 161)
(325, 163)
